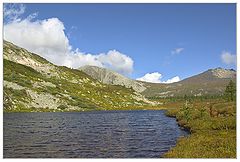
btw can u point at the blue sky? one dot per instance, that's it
(171, 39)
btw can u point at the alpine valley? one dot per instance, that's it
(33, 84)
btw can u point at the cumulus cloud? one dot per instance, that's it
(177, 51)
(172, 80)
(118, 61)
(151, 77)
(48, 39)
(156, 77)
(228, 58)
(45, 37)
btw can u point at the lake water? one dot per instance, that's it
(99, 134)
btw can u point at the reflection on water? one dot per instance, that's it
(108, 134)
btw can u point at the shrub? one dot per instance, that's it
(62, 107)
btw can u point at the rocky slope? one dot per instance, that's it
(210, 82)
(31, 83)
(110, 77)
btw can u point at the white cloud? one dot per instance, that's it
(177, 51)
(117, 61)
(48, 39)
(151, 77)
(156, 77)
(228, 58)
(45, 37)
(172, 80)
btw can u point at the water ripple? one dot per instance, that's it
(113, 134)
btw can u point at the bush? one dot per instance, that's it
(230, 91)
(223, 123)
(62, 107)
(185, 111)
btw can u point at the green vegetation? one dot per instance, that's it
(230, 91)
(211, 118)
(209, 83)
(212, 124)
(19, 74)
(35, 84)
(71, 90)
(62, 107)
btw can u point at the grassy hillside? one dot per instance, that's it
(210, 83)
(212, 124)
(33, 84)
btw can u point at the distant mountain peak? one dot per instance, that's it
(210, 82)
(220, 68)
(107, 76)
(223, 73)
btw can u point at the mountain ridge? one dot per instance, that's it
(209, 82)
(32, 84)
(108, 76)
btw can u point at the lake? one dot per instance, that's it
(98, 134)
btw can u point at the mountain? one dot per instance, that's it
(31, 83)
(110, 77)
(210, 82)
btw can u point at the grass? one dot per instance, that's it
(206, 144)
(87, 95)
(211, 121)
(212, 124)
(20, 74)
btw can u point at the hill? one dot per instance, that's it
(110, 77)
(31, 83)
(210, 82)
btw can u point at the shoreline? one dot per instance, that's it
(124, 110)
(187, 129)
(151, 116)
(215, 136)
(97, 110)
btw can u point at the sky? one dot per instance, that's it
(160, 43)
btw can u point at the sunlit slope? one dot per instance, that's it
(210, 82)
(31, 83)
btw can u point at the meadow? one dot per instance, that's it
(211, 123)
